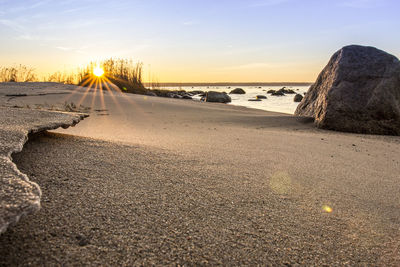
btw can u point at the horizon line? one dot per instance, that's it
(225, 83)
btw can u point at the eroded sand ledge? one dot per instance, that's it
(19, 196)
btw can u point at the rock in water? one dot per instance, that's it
(187, 96)
(150, 93)
(278, 93)
(358, 91)
(298, 98)
(217, 97)
(238, 91)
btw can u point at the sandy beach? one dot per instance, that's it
(148, 180)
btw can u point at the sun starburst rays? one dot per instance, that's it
(98, 82)
(98, 71)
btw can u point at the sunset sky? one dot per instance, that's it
(195, 40)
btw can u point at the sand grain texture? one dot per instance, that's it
(165, 181)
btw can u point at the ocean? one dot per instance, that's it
(283, 104)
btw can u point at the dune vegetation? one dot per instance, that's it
(19, 73)
(124, 73)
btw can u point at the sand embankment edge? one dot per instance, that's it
(19, 195)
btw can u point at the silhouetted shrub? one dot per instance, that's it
(123, 73)
(19, 73)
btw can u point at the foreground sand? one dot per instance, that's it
(147, 180)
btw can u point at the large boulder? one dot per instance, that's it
(218, 97)
(238, 91)
(358, 91)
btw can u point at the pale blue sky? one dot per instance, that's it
(196, 40)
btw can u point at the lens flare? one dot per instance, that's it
(97, 71)
(281, 183)
(327, 209)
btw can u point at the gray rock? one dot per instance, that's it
(286, 91)
(217, 97)
(261, 97)
(187, 96)
(254, 99)
(278, 93)
(358, 91)
(198, 92)
(238, 91)
(281, 92)
(298, 98)
(150, 93)
(18, 195)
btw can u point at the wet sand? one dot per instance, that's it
(165, 181)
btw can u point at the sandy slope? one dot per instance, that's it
(153, 180)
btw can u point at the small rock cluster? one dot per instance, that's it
(181, 94)
(281, 92)
(219, 97)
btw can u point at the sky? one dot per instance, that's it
(195, 40)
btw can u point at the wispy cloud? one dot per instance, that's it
(75, 24)
(35, 37)
(261, 3)
(190, 23)
(78, 50)
(74, 10)
(362, 3)
(39, 4)
(25, 7)
(12, 24)
(23, 33)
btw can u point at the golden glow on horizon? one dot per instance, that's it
(98, 72)
(172, 73)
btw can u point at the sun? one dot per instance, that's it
(98, 72)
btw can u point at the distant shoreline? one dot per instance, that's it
(233, 84)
